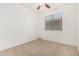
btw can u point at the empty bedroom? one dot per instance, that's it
(39, 29)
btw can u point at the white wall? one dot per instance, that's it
(17, 25)
(67, 35)
(77, 29)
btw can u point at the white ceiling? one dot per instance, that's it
(33, 6)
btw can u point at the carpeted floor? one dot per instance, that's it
(41, 48)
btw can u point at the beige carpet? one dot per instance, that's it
(41, 48)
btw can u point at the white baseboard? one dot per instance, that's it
(61, 42)
(18, 43)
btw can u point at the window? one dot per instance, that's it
(53, 22)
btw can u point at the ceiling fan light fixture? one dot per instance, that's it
(43, 5)
(47, 5)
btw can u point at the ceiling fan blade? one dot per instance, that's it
(47, 5)
(38, 7)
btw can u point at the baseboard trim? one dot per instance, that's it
(15, 45)
(60, 42)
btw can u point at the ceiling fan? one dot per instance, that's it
(45, 5)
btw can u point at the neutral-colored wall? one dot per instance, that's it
(67, 35)
(17, 25)
(77, 27)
